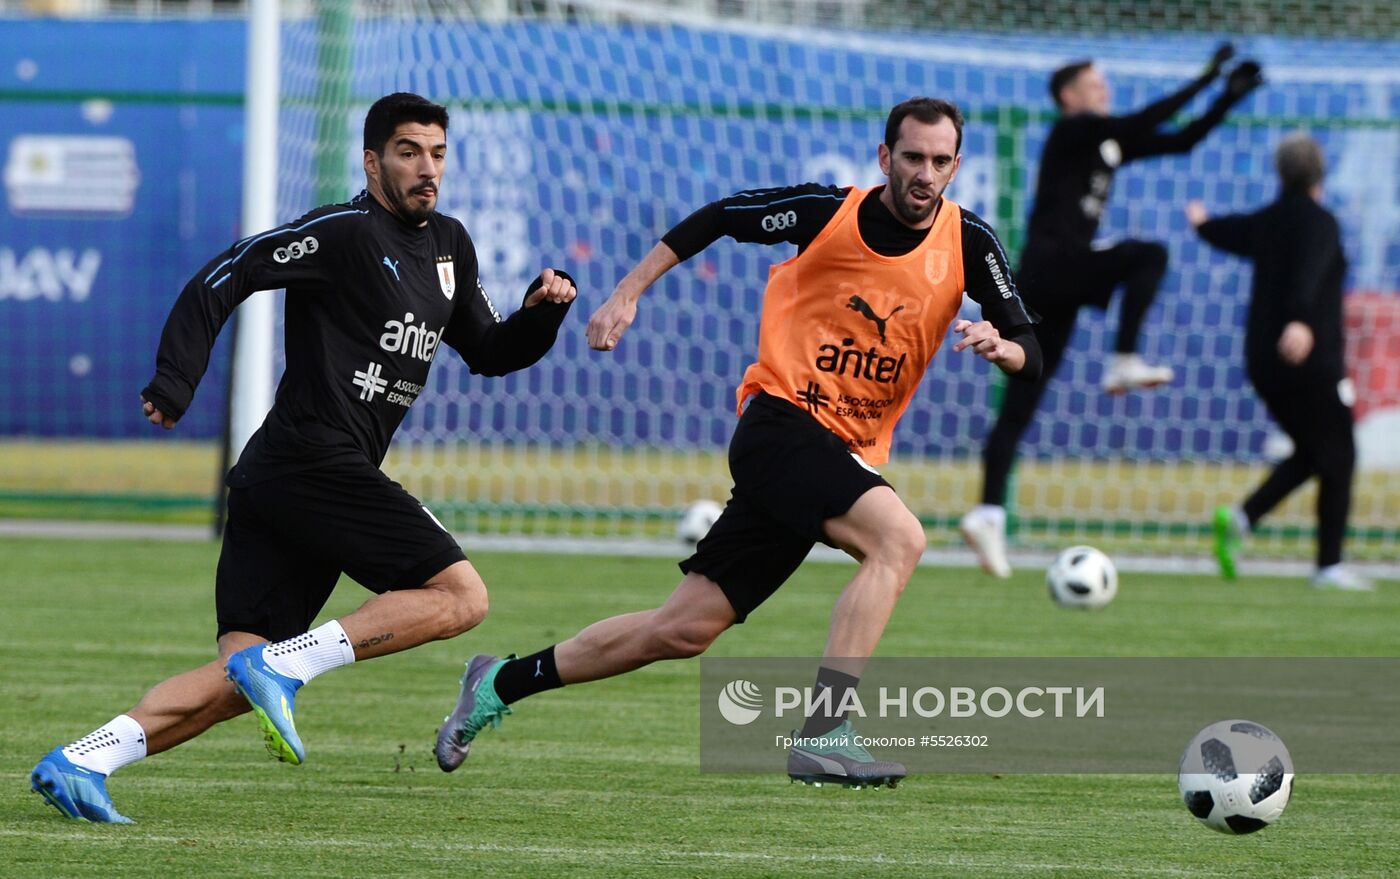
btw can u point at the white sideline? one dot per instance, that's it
(946, 557)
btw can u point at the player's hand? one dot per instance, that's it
(553, 288)
(609, 322)
(154, 415)
(1244, 78)
(1196, 213)
(1295, 343)
(1224, 52)
(985, 342)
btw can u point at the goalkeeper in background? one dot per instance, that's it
(1294, 353)
(1063, 268)
(848, 327)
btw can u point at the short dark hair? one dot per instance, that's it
(1066, 75)
(927, 111)
(391, 111)
(1300, 163)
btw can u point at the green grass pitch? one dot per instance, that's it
(602, 779)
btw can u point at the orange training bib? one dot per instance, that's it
(847, 333)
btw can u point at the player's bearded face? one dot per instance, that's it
(923, 161)
(914, 198)
(410, 170)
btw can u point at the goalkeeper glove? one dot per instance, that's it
(1243, 79)
(1224, 52)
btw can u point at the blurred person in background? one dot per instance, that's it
(1063, 268)
(1295, 354)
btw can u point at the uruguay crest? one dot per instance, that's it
(936, 266)
(447, 279)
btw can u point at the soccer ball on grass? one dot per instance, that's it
(1082, 577)
(1236, 776)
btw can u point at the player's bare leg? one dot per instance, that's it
(686, 625)
(73, 777)
(887, 540)
(180, 708)
(269, 675)
(452, 602)
(696, 613)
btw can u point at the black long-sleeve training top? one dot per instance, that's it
(369, 301)
(1083, 152)
(1299, 267)
(805, 210)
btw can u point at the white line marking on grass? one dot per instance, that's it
(125, 836)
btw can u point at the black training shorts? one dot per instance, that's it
(288, 539)
(791, 474)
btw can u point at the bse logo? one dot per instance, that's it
(740, 702)
(296, 250)
(778, 222)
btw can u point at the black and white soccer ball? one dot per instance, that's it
(696, 520)
(1082, 577)
(1236, 776)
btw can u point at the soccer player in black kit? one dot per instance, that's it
(374, 288)
(1063, 269)
(1295, 353)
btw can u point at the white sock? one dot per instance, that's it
(1241, 521)
(109, 748)
(993, 512)
(305, 656)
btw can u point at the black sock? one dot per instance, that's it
(822, 720)
(533, 674)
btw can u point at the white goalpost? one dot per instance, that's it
(254, 359)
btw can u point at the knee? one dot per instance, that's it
(683, 639)
(901, 547)
(464, 605)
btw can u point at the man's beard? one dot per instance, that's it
(907, 212)
(409, 211)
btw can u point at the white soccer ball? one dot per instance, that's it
(1082, 577)
(696, 520)
(1236, 776)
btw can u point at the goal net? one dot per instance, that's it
(582, 131)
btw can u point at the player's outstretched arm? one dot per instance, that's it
(777, 215)
(1141, 141)
(1162, 110)
(492, 346)
(302, 253)
(611, 320)
(1230, 233)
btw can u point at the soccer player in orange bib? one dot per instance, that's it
(849, 326)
